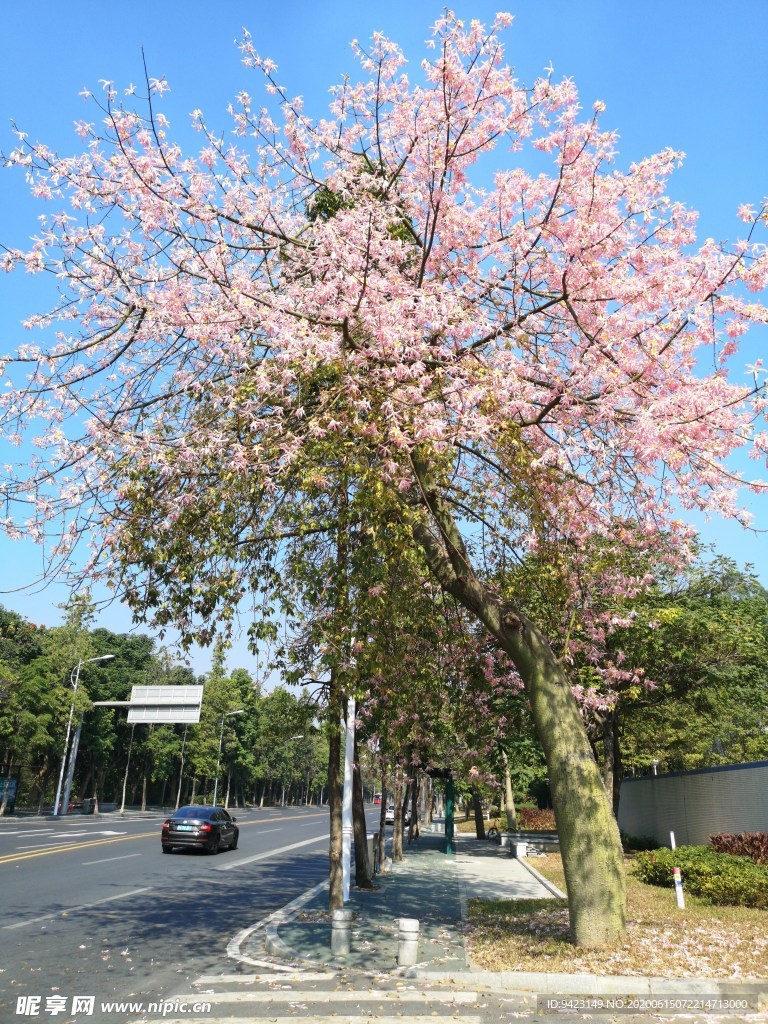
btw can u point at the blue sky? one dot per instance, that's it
(690, 74)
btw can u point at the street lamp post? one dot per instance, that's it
(73, 755)
(228, 714)
(347, 826)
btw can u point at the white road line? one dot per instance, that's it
(254, 979)
(283, 914)
(50, 842)
(104, 860)
(273, 853)
(68, 837)
(73, 910)
(444, 998)
(26, 832)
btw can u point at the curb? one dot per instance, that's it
(544, 982)
(544, 881)
(272, 941)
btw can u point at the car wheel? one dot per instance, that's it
(167, 849)
(215, 844)
(235, 838)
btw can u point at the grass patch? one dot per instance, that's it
(701, 941)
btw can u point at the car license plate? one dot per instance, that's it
(185, 828)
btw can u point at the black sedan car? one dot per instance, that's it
(206, 828)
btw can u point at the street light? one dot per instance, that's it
(228, 714)
(71, 771)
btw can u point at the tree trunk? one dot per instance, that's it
(618, 767)
(383, 821)
(478, 809)
(429, 807)
(363, 869)
(397, 826)
(414, 829)
(587, 830)
(7, 789)
(402, 812)
(509, 796)
(608, 765)
(86, 783)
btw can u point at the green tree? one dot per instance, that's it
(701, 641)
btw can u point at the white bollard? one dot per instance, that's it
(520, 849)
(341, 932)
(407, 942)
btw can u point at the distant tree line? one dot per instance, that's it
(271, 753)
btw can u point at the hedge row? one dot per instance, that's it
(718, 878)
(746, 844)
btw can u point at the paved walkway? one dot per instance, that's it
(427, 885)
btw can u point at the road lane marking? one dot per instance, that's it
(285, 817)
(446, 997)
(62, 840)
(11, 857)
(105, 860)
(272, 853)
(283, 914)
(26, 832)
(74, 910)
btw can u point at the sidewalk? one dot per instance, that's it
(428, 886)
(433, 888)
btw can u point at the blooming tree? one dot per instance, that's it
(447, 283)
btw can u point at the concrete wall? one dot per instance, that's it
(697, 804)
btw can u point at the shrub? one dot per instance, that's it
(718, 878)
(536, 820)
(746, 844)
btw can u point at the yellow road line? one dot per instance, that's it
(11, 857)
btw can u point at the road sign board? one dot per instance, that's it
(168, 704)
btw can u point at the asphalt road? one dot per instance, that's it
(92, 907)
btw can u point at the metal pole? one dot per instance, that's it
(181, 768)
(347, 828)
(71, 767)
(56, 810)
(127, 766)
(218, 761)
